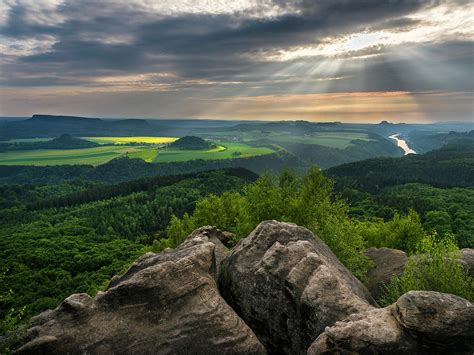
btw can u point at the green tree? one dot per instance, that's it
(439, 221)
(402, 232)
(306, 201)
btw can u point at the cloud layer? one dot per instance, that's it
(209, 58)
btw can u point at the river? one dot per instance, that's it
(402, 144)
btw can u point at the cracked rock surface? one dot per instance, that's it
(166, 303)
(288, 286)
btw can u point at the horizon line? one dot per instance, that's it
(231, 119)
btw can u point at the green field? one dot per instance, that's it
(340, 139)
(223, 151)
(102, 154)
(147, 155)
(92, 156)
(124, 140)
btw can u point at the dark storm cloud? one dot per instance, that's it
(192, 45)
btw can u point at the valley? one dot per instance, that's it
(311, 143)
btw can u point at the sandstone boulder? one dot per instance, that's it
(375, 331)
(420, 322)
(437, 317)
(166, 303)
(387, 264)
(288, 286)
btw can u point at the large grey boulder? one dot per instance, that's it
(166, 303)
(387, 263)
(420, 322)
(437, 317)
(288, 286)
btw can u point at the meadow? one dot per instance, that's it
(224, 151)
(102, 154)
(339, 140)
(335, 139)
(91, 156)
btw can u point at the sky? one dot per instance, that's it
(315, 60)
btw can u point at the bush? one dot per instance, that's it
(435, 267)
(402, 232)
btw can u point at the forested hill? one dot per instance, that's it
(192, 143)
(40, 125)
(450, 166)
(65, 141)
(438, 185)
(49, 125)
(422, 141)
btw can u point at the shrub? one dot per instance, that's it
(402, 232)
(435, 267)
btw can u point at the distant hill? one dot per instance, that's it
(450, 166)
(42, 125)
(326, 157)
(424, 141)
(52, 119)
(49, 125)
(65, 141)
(192, 143)
(294, 127)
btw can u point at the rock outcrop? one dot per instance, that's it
(387, 264)
(420, 322)
(166, 303)
(288, 292)
(288, 286)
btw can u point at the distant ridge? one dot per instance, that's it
(295, 127)
(132, 122)
(42, 125)
(56, 118)
(46, 125)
